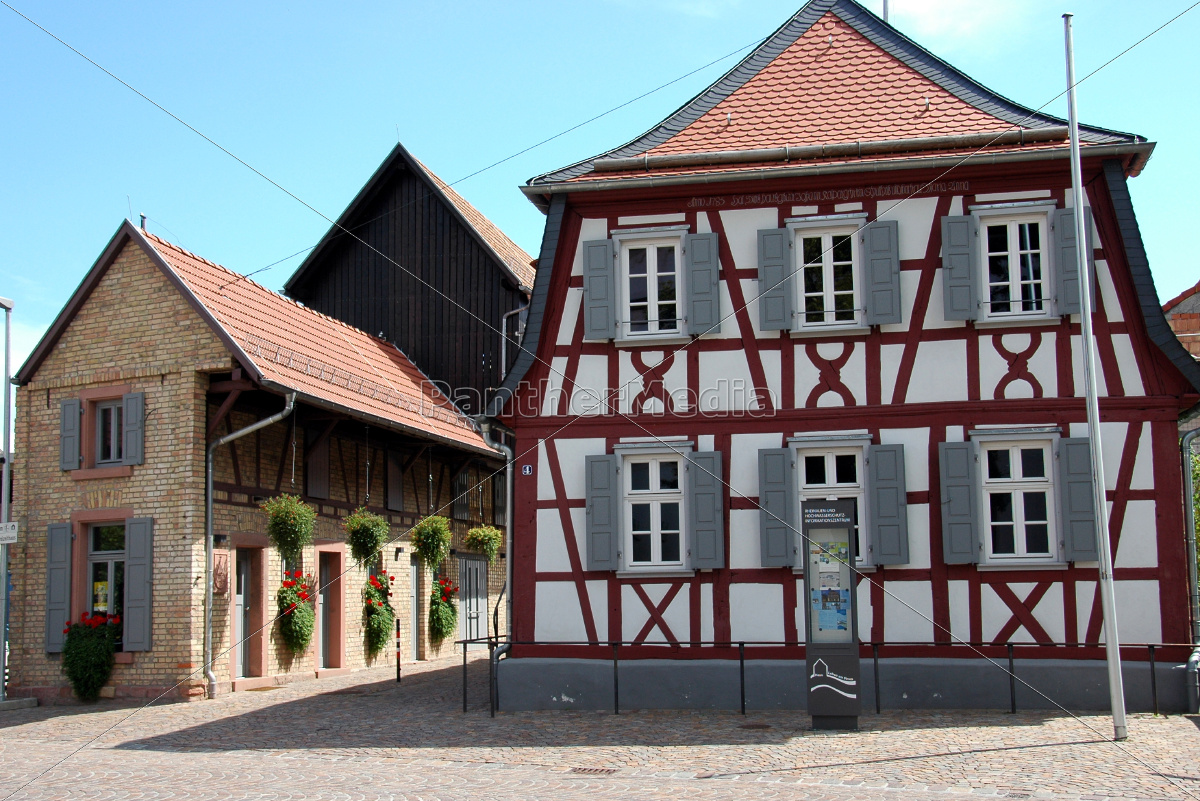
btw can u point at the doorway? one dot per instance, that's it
(472, 583)
(329, 610)
(414, 604)
(242, 606)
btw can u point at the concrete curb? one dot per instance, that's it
(18, 703)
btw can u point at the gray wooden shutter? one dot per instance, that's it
(703, 265)
(1067, 267)
(881, 272)
(960, 267)
(603, 512)
(58, 584)
(1076, 502)
(706, 519)
(500, 499)
(395, 481)
(316, 468)
(68, 434)
(460, 506)
(889, 504)
(139, 569)
(777, 505)
(133, 428)
(599, 289)
(775, 291)
(958, 462)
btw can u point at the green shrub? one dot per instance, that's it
(485, 539)
(379, 619)
(88, 653)
(431, 541)
(443, 612)
(289, 525)
(296, 615)
(366, 533)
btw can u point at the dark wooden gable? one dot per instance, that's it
(414, 273)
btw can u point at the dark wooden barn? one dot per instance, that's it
(413, 262)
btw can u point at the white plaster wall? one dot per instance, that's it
(1000, 197)
(724, 381)
(902, 623)
(551, 543)
(1143, 467)
(634, 613)
(995, 613)
(1049, 613)
(959, 595)
(1139, 537)
(772, 370)
(652, 219)
(745, 550)
(755, 612)
(589, 229)
(598, 596)
(916, 218)
(918, 536)
(1131, 377)
(554, 386)
(889, 369)
(741, 229)
(931, 380)
(545, 479)
(571, 453)
(566, 327)
(708, 632)
(993, 367)
(862, 600)
(1112, 443)
(1138, 617)
(916, 454)
(910, 282)
(591, 385)
(1108, 292)
(1077, 364)
(558, 617)
(1085, 597)
(853, 374)
(935, 312)
(743, 461)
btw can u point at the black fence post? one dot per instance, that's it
(1012, 681)
(1153, 682)
(464, 675)
(616, 685)
(875, 657)
(742, 672)
(491, 677)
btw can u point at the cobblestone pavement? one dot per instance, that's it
(362, 736)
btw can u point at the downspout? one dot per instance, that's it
(1189, 516)
(209, 676)
(504, 338)
(487, 426)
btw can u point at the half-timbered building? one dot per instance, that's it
(847, 271)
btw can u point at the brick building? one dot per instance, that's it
(159, 352)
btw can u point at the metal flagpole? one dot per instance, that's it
(5, 486)
(1112, 647)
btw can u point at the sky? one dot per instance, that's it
(314, 96)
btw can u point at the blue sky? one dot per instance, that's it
(314, 96)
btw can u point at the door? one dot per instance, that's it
(472, 582)
(241, 614)
(329, 602)
(414, 605)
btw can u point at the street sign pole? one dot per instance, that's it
(5, 491)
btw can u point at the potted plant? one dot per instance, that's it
(296, 614)
(379, 619)
(431, 540)
(366, 534)
(289, 525)
(485, 539)
(88, 653)
(443, 612)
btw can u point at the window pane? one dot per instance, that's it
(669, 516)
(99, 588)
(814, 470)
(639, 475)
(843, 278)
(1037, 539)
(637, 290)
(641, 548)
(845, 467)
(106, 439)
(670, 547)
(667, 321)
(1000, 299)
(812, 249)
(1033, 463)
(1035, 507)
(1029, 236)
(666, 287)
(1001, 505)
(997, 238)
(108, 538)
(1031, 267)
(638, 317)
(998, 269)
(637, 261)
(641, 517)
(666, 260)
(668, 475)
(844, 306)
(1002, 540)
(116, 432)
(999, 465)
(814, 279)
(841, 248)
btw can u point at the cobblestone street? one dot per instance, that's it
(362, 736)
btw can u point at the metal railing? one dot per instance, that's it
(796, 650)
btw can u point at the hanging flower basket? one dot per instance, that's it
(485, 539)
(88, 653)
(443, 611)
(366, 533)
(379, 619)
(431, 541)
(296, 614)
(289, 525)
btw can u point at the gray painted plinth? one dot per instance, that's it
(18, 703)
(529, 684)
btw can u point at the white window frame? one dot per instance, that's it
(110, 560)
(117, 429)
(1013, 214)
(623, 241)
(827, 227)
(654, 496)
(1049, 484)
(856, 492)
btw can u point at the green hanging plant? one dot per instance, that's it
(367, 533)
(289, 525)
(485, 539)
(443, 611)
(296, 614)
(87, 656)
(379, 619)
(431, 541)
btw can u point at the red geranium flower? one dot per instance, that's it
(445, 598)
(116, 620)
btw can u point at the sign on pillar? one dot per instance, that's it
(832, 664)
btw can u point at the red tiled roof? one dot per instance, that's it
(316, 355)
(1180, 298)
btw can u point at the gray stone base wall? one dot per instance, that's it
(1042, 684)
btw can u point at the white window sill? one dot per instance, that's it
(830, 330)
(1012, 322)
(1017, 564)
(660, 572)
(656, 341)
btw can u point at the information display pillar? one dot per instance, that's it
(832, 663)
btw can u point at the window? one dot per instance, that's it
(499, 499)
(460, 507)
(653, 510)
(827, 283)
(106, 571)
(1018, 500)
(108, 432)
(650, 278)
(1015, 266)
(835, 474)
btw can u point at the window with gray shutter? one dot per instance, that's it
(881, 272)
(1067, 267)
(460, 507)
(702, 264)
(777, 503)
(959, 466)
(139, 567)
(395, 481)
(1076, 502)
(58, 584)
(706, 518)
(70, 418)
(133, 428)
(316, 466)
(888, 499)
(775, 291)
(599, 289)
(960, 270)
(603, 512)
